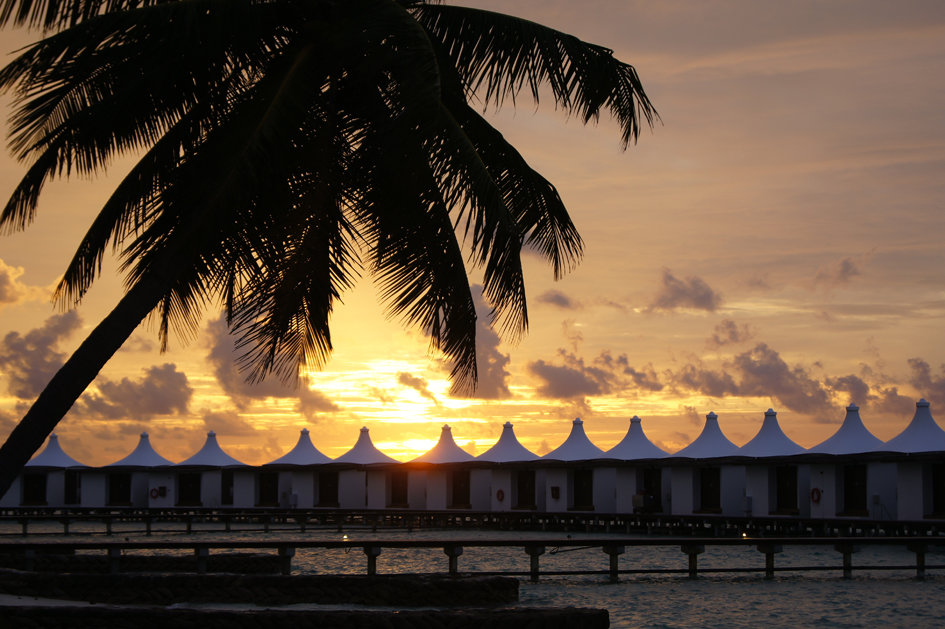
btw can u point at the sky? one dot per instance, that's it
(775, 241)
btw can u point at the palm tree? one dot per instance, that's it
(285, 146)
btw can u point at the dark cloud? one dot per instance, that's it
(8, 421)
(692, 293)
(692, 414)
(418, 384)
(559, 299)
(222, 357)
(29, 362)
(161, 391)
(929, 386)
(137, 343)
(544, 448)
(856, 389)
(492, 365)
(228, 423)
(11, 289)
(381, 394)
(727, 332)
(572, 379)
(841, 272)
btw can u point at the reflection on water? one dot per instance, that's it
(873, 599)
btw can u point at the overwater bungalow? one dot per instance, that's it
(640, 487)
(697, 481)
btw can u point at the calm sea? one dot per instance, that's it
(813, 599)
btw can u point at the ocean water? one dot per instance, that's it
(872, 599)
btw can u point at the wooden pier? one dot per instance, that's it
(613, 548)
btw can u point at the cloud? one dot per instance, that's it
(161, 391)
(930, 387)
(856, 388)
(29, 362)
(228, 423)
(692, 414)
(137, 343)
(418, 384)
(573, 379)
(222, 357)
(762, 373)
(13, 291)
(470, 448)
(8, 421)
(381, 394)
(491, 364)
(560, 300)
(692, 293)
(544, 448)
(727, 332)
(573, 336)
(841, 272)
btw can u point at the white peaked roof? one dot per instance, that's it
(577, 447)
(507, 449)
(211, 455)
(304, 453)
(635, 445)
(852, 437)
(142, 456)
(364, 452)
(770, 440)
(921, 435)
(710, 442)
(445, 450)
(53, 456)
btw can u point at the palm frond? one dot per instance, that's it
(502, 54)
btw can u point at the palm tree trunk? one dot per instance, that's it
(79, 372)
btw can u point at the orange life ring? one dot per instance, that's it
(155, 493)
(500, 495)
(815, 495)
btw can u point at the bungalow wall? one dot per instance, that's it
(605, 489)
(417, 489)
(626, 487)
(501, 481)
(376, 489)
(302, 487)
(352, 489)
(681, 498)
(732, 490)
(556, 490)
(480, 489)
(881, 490)
(14, 495)
(436, 490)
(93, 490)
(161, 483)
(911, 503)
(244, 489)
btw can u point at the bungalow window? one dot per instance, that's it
(327, 489)
(786, 490)
(460, 490)
(188, 490)
(268, 489)
(710, 490)
(652, 490)
(226, 487)
(119, 490)
(938, 490)
(854, 491)
(73, 488)
(583, 490)
(525, 488)
(34, 490)
(398, 490)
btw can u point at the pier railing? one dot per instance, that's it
(613, 548)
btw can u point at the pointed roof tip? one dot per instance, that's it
(212, 455)
(770, 440)
(446, 450)
(143, 455)
(852, 437)
(364, 451)
(303, 453)
(577, 447)
(635, 445)
(53, 456)
(710, 443)
(923, 434)
(507, 449)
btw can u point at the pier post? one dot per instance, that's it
(25, 524)
(693, 550)
(372, 552)
(847, 550)
(614, 552)
(29, 565)
(286, 555)
(534, 552)
(453, 552)
(919, 549)
(65, 526)
(147, 524)
(201, 554)
(769, 550)
(114, 556)
(108, 526)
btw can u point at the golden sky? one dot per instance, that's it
(776, 242)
